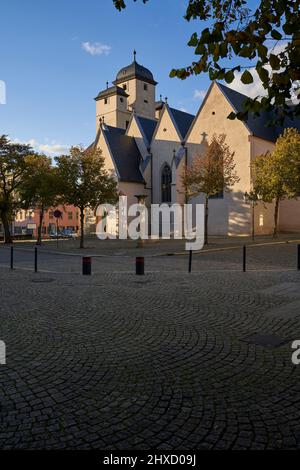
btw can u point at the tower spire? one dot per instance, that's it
(134, 55)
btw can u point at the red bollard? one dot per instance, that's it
(140, 266)
(87, 266)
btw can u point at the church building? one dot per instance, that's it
(148, 144)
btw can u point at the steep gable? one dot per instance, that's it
(125, 154)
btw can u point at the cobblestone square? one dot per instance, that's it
(116, 361)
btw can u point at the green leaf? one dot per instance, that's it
(262, 51)
(274, 62)
(193, 41)
(263, 74)
(229, 76)
(276, 34)
(200, 49)
(246, 77)
(231, 116)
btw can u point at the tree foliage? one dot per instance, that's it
(247, 30)
(13, 169)
(40, 189)
(85, 182)
(211, 172)
(276, 175)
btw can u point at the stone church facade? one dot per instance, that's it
(148, 144)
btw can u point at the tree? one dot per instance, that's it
(211, 173)
(248, 31)
(252, 198)
(40, 189)
(84, 181)
(277, 175)
(13, 167)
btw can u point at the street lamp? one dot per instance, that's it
(141, 199)
(251, 199)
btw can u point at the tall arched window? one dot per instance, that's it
(166, 182)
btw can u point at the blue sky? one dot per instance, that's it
(51, 78)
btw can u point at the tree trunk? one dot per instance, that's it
(253, 222)
(276, 217)
(7, 235)
(206, 222)
(81, 227)
(39, 238)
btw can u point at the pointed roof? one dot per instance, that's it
(183, 121)
(135, 70)
(125, 154)
(257, 125)
(148, 127)
(113, 90)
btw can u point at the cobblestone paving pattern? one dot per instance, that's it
(116, 361)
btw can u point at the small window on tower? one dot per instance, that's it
(145, 86)
(127, 124)
(122, 100)
(145, 101)
(106, 101)
(125, 87)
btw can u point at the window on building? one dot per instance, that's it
(127, 124)
(122, 100)
(145, 87)
(145, 101)
(106, 101)
(125, 87)
(70, 215)
(166, 183)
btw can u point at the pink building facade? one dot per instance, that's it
(27, 222)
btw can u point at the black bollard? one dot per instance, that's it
(86, 266)
(35, 260)
(140, 266)
(244, 258)
(11, 257)
(298, 258)
(190, 261)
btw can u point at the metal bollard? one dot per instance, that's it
(244, 258)
(298, 258)
(86, 266)
(140, 266)
(35, 260)
(190, 261)
(11, 257)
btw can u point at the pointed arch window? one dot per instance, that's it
(166, 183)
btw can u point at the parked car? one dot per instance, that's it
(64, 234)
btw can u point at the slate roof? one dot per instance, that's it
(183, 121)
(257, 125)
(135, 70)
(125, 154)
(148, 126)
(113, 90)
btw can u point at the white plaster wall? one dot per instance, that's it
(230, 215)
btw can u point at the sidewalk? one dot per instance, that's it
(95, 247)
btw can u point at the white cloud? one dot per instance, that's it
(96, 48)
(54, 149)
(199, 94)
(254, 89)
(51, 149)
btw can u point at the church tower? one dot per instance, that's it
(133, 91)
(112, 107)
